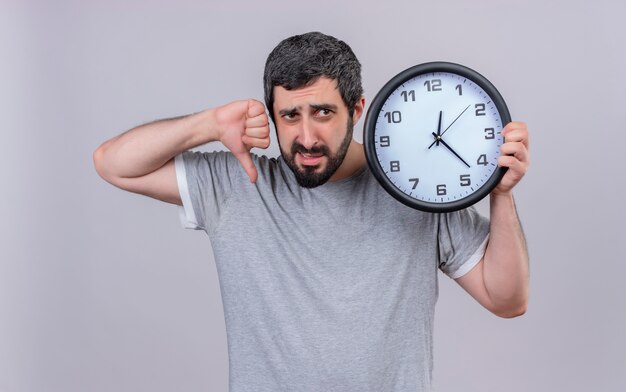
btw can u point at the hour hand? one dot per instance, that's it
(438, 135)
(440, 140)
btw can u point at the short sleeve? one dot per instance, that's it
(462, 240)
(205, 185)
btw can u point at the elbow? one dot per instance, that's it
(99, 163)
(98, 158)
(512, 311)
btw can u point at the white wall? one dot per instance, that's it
(101, 290)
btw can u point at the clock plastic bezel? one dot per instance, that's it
(370, 127)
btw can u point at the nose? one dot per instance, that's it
(308, 135)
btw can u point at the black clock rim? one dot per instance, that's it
(370, 125)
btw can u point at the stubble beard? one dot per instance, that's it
(308, 176)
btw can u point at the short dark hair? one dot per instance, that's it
(301, 60)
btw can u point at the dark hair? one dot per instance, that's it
(300, 60)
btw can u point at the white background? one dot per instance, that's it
(101, 290)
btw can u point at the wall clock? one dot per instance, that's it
(432, 136)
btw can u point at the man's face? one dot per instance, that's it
(314, 130)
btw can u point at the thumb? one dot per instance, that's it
(246, 161)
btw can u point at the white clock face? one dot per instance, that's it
(437, 137)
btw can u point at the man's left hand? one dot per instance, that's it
(514, 155)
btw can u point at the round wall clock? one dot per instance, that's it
(432, 136)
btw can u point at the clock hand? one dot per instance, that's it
(438, 131)
(457, 117)
(439, 139)
(439, 126)
(441, 134)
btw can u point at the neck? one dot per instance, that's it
(354, 161)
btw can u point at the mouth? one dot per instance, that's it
(309, 159)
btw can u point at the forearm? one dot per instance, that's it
(146, 148)
(506, 258)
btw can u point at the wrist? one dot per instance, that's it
(502, 204)
(499, 196)
(206, 129)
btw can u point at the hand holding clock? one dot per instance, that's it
(514, 154)
(422, 179)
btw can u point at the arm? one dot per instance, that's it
(142, 160)
(499, 281)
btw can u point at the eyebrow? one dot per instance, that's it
(322, 106)
(316, 106)
(288, 111)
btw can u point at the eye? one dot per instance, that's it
(290, 116)
(324, 112)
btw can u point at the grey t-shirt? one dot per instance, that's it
(324, 289)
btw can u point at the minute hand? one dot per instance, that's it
(450, 148)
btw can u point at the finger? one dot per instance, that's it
(516, 132)
(512, 162)
(516, 149)
(260, 132)
(252, 142)
(514, 125)
(260, 120)
(517, 136)
(246, 161)
(255, 108)
(514, 174)
(516, 169)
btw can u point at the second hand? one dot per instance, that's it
(441, 134)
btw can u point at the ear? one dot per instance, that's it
(358, 110)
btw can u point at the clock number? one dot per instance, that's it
(441, 190)
(460, 88)
(384, 141)
(408, 94)
(433, 85)
(415, 181)
(482, 160)
(489, 133)
(394, 117)
(394, 166)
(465, 180)
(480, 109)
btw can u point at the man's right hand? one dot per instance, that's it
(243, 125)
(141, 160)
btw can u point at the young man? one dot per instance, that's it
(328, 283)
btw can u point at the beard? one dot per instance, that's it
(309, 176)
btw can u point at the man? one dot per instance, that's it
(328, 283)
